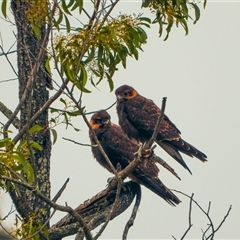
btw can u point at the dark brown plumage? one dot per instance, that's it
(138, 116)
(120, 150)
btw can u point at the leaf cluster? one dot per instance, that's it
(14, 160)
(170, 12)
(89, 53)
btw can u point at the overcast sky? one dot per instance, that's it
(200, 76)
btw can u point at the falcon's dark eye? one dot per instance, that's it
(100, 121)
(126, 94)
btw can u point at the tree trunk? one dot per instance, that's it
(28, 48)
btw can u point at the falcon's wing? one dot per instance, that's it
(143, 114)
(117, 146)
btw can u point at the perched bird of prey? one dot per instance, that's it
(120, 151)
(138, 117)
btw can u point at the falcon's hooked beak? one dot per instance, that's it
(96, 125)
(119, 97)
(108, 121)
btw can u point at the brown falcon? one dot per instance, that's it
(120, 150)
(138, 117)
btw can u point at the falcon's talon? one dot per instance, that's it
(139, 151)
(119, 167)
(109, 180)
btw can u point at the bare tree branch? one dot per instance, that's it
(95, 211)
(8, 113)
(133, 215)
(81, 144)
(189, 218)
(206, 213)
(158, 124)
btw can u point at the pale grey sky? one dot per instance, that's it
(200, 76)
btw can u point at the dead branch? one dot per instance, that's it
(189, 218)
(158, 124)
(207, 214)
(134, 213)
(8, 113)
(95, 211)
(81, 144)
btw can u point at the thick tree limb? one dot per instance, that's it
(95, 210)
(8, 113)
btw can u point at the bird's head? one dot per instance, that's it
(125, 92)
(100, 119)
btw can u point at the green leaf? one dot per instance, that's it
(168, 29)
(83, 76)
(35, 29)
(56, 23)
(69, 72)
(47, 65)
(145, 19)
(100, 53)
(79, 4)
(197, 12)
(76, 129)
(27, 168)
(35, 128)
(145, 3)
(97, 73)
(53, 110)
(142, 35)
(4, 8)
(36, 145)
(185, 26)
(136, 37)
(54, 133)
(135, 53)
(5, 142)
(74, 113)
(91, 55)
(68, 27)
(63, 101)
(65, 7)
(70, 3)
(204, 3)
(110, 82)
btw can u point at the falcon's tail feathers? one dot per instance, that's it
(174, 154)
(188, 149)
(155, 185)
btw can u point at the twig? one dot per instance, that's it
(59, 193)
(8, 113)
(8, 80)
(157, 127)
(221, 223)
(94, 14)
(134, 213)
(10, 63)
(189, 218)
(81, 144)
(110, 10)
(206, 213)
(87, 113)
(111, 211)
(164, 164)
